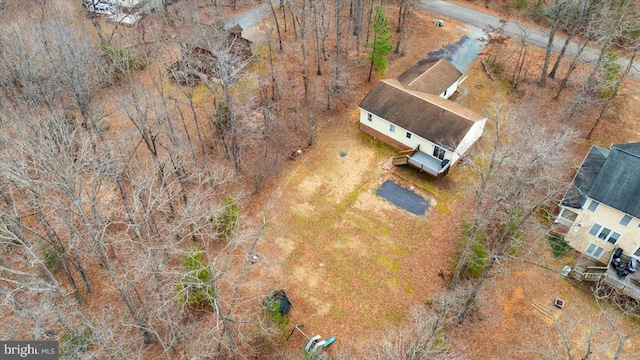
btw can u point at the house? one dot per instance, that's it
(601, 215)
(125, 6)
(413, 114)
(602, 205)
(202, 46)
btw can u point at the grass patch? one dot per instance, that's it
(391, 265)
(351, 197)
(442, 208)
(558, 245)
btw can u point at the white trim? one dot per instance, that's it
(565, 221)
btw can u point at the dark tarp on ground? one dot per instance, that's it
(279, 296)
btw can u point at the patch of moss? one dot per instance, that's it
(388, 263)
(393, 283)
(442, 208)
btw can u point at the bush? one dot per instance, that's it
(75, 344)
(194, 288)
(558, 245)
(227, 221)
(478, 258)
(121, 61)
(221, 118)
(273, 310)
(51, 258)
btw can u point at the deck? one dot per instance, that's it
(628, 285)
(427, 163)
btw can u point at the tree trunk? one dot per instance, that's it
(572, 32)
(609, 100)
(552, 32)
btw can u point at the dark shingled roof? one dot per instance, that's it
(612, 179)
(431, 76)
(575, 196)
(429, 116)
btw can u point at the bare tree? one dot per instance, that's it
(515, 179)
(556, 13)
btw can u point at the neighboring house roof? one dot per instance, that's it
(431, 76)
(209, 37)
(575, 196)
(433, 118)
(609, 177)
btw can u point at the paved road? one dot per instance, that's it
(532, 36)
(249, 18)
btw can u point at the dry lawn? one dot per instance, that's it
(353, 264)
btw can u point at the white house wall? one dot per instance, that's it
(452, 89)
(579, 238)
(469, 139)
(149, 5)
(400, 134)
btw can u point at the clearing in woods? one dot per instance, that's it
(353, 264)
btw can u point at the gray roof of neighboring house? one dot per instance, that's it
(431, 76)
(436, 119)
(609, 177)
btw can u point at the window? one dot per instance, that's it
(604, 234)
(614, 237)
(369, 117)
(392, 128)
(594, 251)
(626, 219)
(568, 215)
(438, 152)
(637, 252)
(593, 206)
(408, 135)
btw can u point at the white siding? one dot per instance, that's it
(452, 89)
(469, 139)
(382, 126)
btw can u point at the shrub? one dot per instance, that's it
(558, 245)
(272, 309)
(51, 258)
(227, 221)
(478, 259)
(221, 118)
(121, 61)
(195, 289)
(75, 344)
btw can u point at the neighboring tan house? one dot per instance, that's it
(412, 113)
(601, 208)
(202, 45)
(125, 6)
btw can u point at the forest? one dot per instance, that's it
(134, 207)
